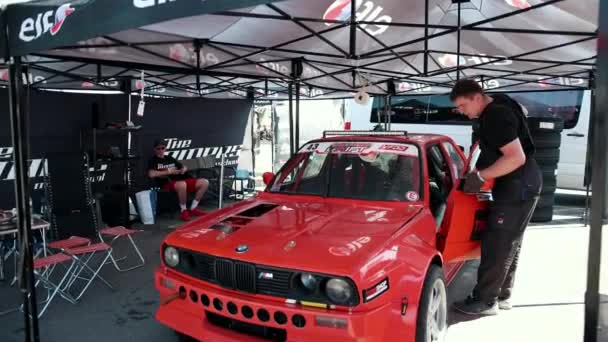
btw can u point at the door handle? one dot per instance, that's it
(578, 135)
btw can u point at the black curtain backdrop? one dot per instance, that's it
(61, 123)
(192, 127)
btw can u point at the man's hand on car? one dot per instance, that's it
(472, 182)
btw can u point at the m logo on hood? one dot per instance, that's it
(33, 28)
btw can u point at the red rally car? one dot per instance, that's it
(354, 239)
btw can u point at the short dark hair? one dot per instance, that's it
(160, 142)
(465, 87)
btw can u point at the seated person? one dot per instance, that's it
(171, 175)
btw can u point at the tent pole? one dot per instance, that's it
(589, 156)
(426, 37)
(273, 118)
(388, 111)
(457, 46)
(20, 137)
(197, 49)
(297, 140)
(598, 184)
(353, 29)
(221, 190)
(290, 90)
(253, 139)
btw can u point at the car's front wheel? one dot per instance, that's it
(432, 321)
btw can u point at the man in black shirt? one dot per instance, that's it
(171, 175)
(507, 157)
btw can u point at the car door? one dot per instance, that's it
(465, 218)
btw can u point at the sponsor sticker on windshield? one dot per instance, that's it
(360, 148)
(354, 148)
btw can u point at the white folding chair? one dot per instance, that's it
(43, 268)
(115, 233)
(82, 257)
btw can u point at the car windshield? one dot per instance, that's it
(360, 170)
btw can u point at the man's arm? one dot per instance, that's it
(513, 157)
(161, 173)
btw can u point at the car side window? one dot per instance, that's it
(457, 162)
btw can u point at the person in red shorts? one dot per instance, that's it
(170, 174)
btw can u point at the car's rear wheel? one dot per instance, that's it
(432, 321)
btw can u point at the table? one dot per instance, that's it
(37, 224)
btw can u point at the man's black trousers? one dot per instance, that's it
(500, 246)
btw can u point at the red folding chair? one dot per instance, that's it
(71, 242)
(43, 268)
(115, 233)
(83, 257)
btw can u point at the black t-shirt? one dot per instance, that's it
(501, 122)
(159, 164)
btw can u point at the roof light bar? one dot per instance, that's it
(364, 133)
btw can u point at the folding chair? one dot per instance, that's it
(70, 210)
(43, 268)
(115, 233)
(79, 220)
(71, 242)
(82, 257)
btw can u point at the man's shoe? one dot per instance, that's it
(197, 212)
(504, 304)
(473, 306)
(185, 215)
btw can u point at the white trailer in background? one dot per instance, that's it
(433, 114)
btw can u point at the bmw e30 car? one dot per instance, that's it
(354, 239)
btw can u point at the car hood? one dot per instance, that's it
(324, 235)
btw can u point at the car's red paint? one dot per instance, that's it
(365, 241)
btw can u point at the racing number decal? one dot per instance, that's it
(312, 147)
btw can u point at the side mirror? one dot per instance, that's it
(267, 177)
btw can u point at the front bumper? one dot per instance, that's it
(196, 315)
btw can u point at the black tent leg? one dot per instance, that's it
(253, 139)
(598, 184)
(589, 156)
(19, 132)
(291, 142)
(273, 140)
(297, 140)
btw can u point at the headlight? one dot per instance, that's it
(309, 281)
(339, 291)
(171, 256)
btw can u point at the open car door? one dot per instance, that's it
(465, 218)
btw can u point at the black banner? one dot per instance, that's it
(192, 127)
(35, 26)
(62, 122)
(56, 121)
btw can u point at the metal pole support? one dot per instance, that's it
(20, 135)
(222, 161)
